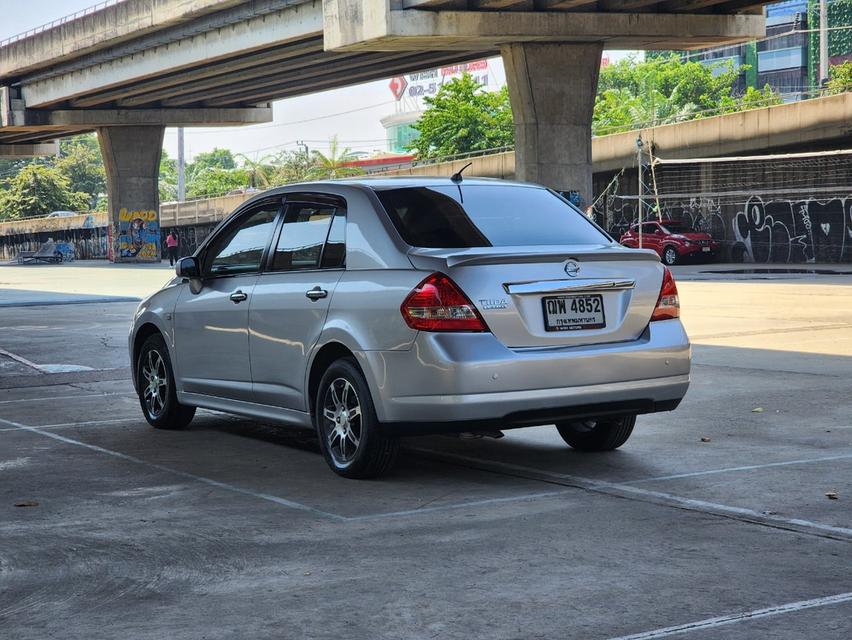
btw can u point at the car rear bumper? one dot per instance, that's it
(456, 377)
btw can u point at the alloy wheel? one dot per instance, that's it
(342, 420)
(156, 383)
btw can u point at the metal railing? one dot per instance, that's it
(59, 21)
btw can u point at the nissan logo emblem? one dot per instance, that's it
(572, 268)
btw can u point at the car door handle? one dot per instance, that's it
(238, 296)
(316, 293)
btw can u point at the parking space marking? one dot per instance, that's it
(89, 423)
(208, 481)
(752, 467)
(73, 397)
(711, 623)
(16, 426)
(21, 359)
(622, 490)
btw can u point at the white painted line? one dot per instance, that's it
(711, 623)
(208, 481)
(702, 505)
(21, 360)
(460, 505)
(74, 397)
(616, 488)
(90, 423)
(768, 465)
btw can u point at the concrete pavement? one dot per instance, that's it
(237, 529)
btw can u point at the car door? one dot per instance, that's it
(651, 236)
(291, 297)
(211, 326)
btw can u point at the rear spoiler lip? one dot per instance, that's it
(454, 258)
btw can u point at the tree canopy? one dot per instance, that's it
(38, 190)
(463, 117)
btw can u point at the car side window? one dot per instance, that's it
(240, 247)
(302, 243)
(649, 227)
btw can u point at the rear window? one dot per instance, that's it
(485, 216)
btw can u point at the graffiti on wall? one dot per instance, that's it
(807, 230)
(756, 230)
(139, 234)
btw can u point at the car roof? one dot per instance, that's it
(399, 182)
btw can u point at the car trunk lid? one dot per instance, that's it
(516, 289)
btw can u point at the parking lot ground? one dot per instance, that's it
(712, 522)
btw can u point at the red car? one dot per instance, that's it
(673, 240)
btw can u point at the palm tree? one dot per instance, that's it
(335, 164)
(260, 170)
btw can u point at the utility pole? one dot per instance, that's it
(823, 42)
(181, 168)
(303, 145)
(639, 145)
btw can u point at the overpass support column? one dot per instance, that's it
(132, 159)
(552, 87)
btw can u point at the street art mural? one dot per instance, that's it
(138, 234)
(757, 229)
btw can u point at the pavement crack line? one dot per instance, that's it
(711, 623)
(628, 492)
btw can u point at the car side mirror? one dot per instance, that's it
(188, 268)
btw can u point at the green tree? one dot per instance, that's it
(217, 158)
(215, 181)
(168, 178)
(290, 166)
(839, 78)
(38, 190)
(80, 161)
(261, 171)
(334, 164)
(666, 89)
(463, 117)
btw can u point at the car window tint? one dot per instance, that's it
(334, 255)
(486, 215)
(302, 236)
(649, 228)
(240, 249)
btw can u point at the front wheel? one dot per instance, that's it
(605, 434)
(670, 256)
(155, 382)
(349, 432)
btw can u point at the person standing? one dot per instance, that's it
(172, 243)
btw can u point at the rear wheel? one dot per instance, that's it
(155, 382)
(605, 434)
(349, 432)
(670, 256)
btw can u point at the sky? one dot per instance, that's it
(352, 114)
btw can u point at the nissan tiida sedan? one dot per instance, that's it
(374, 309)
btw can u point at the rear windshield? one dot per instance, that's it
(485, 216)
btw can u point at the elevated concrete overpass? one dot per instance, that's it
(132, 68)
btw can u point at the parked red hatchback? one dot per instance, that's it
(673, 240)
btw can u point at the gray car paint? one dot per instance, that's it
(417, 376)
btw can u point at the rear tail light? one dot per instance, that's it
(668, 304)
(438, 304)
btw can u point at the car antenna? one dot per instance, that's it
(457, 176)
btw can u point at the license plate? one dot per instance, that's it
(573, 313)
(705, 249)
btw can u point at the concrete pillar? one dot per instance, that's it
(132, 160)
(552, 87)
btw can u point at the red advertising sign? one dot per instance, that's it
(397, 85)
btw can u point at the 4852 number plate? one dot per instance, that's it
(573, 313)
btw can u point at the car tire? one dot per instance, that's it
(605, 434)
(350, 435)
(670, 256)
(155, 381)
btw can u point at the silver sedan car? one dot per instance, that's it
(374, 309)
